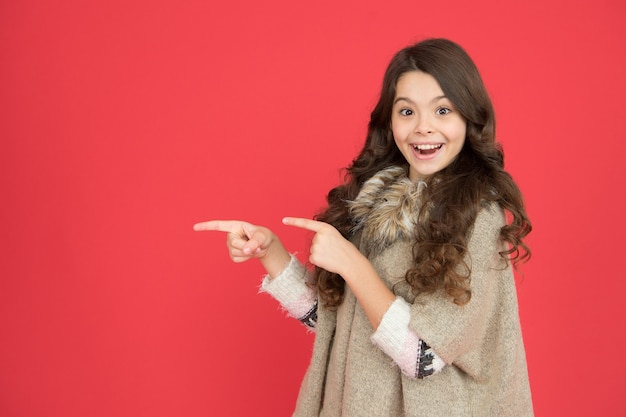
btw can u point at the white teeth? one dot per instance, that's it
(427, 147)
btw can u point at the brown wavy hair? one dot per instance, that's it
(454, 195)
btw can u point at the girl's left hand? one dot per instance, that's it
(329, 249)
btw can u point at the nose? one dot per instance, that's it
(424, 126)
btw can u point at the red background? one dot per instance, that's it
(122, 123)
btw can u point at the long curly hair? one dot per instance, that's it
(454, 195)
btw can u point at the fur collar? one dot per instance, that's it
(385, 209)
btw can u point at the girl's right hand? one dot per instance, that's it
(244, 240)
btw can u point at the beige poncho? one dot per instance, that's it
(480, 342)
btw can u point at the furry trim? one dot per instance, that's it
(386, 208)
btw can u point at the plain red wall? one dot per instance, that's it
(122, 123)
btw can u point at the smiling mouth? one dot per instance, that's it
(427, 149)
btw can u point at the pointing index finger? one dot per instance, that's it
(228, 226)
(308, 224)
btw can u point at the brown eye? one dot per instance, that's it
(442, 111)
(406, 112)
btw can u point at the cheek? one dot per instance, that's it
(398, 131)
(459, 134)
(398, 137)
(458, 145)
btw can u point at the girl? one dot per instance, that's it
(412, 297)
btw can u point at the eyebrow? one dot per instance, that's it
(434, 100)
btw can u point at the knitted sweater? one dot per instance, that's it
(481, 342)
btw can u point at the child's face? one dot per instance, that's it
(427, 129)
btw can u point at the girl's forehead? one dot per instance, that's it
(418, 84)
